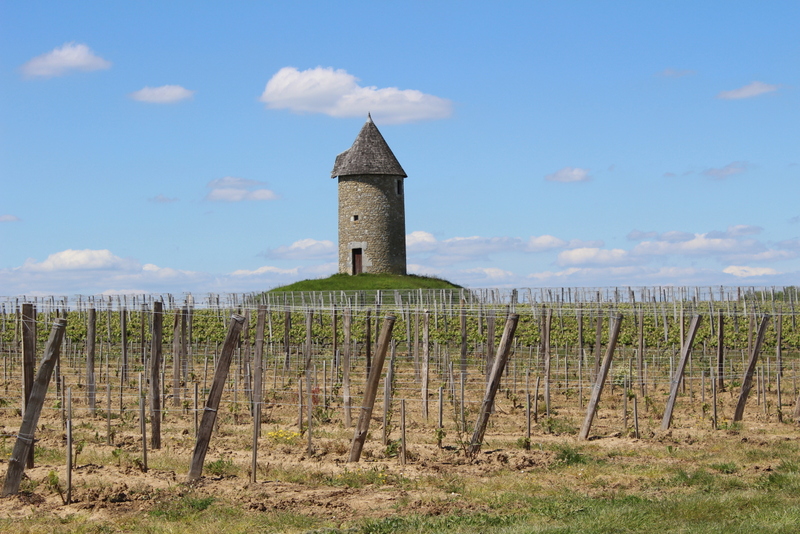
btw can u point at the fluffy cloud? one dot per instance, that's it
(74, 260)
(232, 189)
(738, 230)
(8, 218)
(266, 269)
(70, 57)
(699, 244)
(336, 93)
(745, 272)
(748, 91)
(593, 256)
(305, 249)
(569, 174)
(638, 235)
(166, 94)
(94, 272)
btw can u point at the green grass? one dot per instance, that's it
(362, 282)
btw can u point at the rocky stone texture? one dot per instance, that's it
(372, 218)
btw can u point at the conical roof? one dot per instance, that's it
(369, 155)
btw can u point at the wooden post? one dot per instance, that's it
(176, 359)
(503, 350)
(368, 342)
(28, 361)
(108, 411)
(309, 397)
(546, 347)
(156, 355)
(91, 338)
(721, 351)
(640, 354)
(143, 422)
(463, 324)
(598, 339)
(258, 386)
(214, 396)
(346, 399)
(440, 423)
(426, 357)
(686, 351)
(747, 381)
(123, 329)
(254, 459)
(33, 409)
(597, 389)
(402, 431)
(371, 390)
(68, 499)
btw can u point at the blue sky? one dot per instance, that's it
(187, 146)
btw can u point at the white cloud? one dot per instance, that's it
(748, 91)
(700, 244)
(73, 260)
(744, 272)
(593, 256)
(736, 231)
(544, 242)
(638, 235)
(60, 61)
(569, 174)
(8, 218)
(266, 269)
(737, 167)
(161, 199)
(232, 189)
(94, 272)
(165, 94)
(305, 249)
(492, 273)
(336, 93)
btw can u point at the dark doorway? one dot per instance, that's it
(357, 264)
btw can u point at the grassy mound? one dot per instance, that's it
(346, 282)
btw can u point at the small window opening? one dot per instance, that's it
(399, 187)
(355, 217)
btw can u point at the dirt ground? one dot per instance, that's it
(109, 480)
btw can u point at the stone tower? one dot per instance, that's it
(372, 219)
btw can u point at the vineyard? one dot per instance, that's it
(134, 378)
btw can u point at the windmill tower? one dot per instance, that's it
(372, 219)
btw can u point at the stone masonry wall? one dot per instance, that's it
(380, 227)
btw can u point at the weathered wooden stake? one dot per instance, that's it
(747, 381)
(346, 399)
(214, 396)
(91, 338)
(403, 431)
(503, 350)
(143, 422)
(28, 361)
(597, 389)
(426, 357)
(68, 498)
(156, 355)
(309, 396)
(33, 409)
(677, 377)
(371, 390)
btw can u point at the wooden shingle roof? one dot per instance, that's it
(369, 155)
